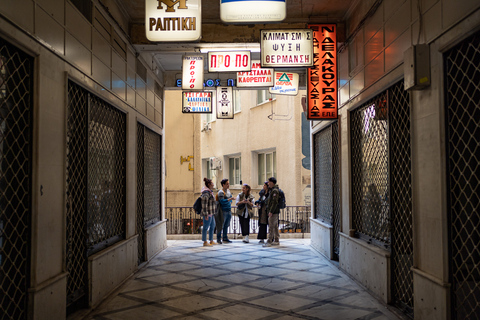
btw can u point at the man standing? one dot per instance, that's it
(225, 198)
(273, 209)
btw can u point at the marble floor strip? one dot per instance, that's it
(240, 281)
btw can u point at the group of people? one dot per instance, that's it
(217, 211)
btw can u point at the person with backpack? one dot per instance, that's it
(245, 210)
(273, 209)
(262, 213)
(225, 198)
(209, 207)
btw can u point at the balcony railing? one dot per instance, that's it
(184, 220)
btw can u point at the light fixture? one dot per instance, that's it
(255, 47)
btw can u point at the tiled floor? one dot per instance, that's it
(240, 281)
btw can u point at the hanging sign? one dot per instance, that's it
(196, 102)
(256, 77)
(224, 103)
(173, 20)
(192, 72)
(285, 83)
(322, 88)
(286, 48)
(229, 61)
(252, 11)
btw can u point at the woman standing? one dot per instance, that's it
(245, 210)
(208, 210)
(262, 214)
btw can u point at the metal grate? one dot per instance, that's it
(153, 177)
(140, 192)
(106, 175)
(336, 223)
(463, 149)
(381, 182)
(95, 185)
(323, 175)
(327, 181)
(76, 191)
(369, 136)
(401, 198)
(16, 83)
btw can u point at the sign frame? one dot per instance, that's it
(227, 55)
(226, 92)
(240, 11)
(254, 70)
(289, 41)
(209, 94)
(194, 73)
(169, 21)
(294, 80)
(322, 78)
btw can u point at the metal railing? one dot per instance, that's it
(184, 220)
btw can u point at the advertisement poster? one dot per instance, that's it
(196, 102)
(322, 86)
(192, 72)
(286, 48)
(256, 77)
(285, 83)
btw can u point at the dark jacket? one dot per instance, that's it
(273, 200)
(262, 205)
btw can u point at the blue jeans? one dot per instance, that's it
(227, 216)
(208, 225)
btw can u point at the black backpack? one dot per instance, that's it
(282, 203)
(197, 206)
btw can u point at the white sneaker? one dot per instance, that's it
(246, 240)
(267, 244)
(261, 241)
(275, 243)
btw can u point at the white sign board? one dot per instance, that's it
(192, 72)
(285, 83)
(252, 11)
(286, 48)
(224, 103)
(173, 20)
(196, 102)
(229, 61)
(256, 77)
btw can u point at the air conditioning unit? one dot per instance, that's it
(215, 163)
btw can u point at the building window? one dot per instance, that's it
(267, 166)
(237, 105)
(264, 96)
(234, 170)
(209, 169)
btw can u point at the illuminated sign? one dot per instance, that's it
(173, 20)
(196, 102)
(210, 83)
(285, 83)
(256, 77)
(286, 48)
(192, 73)
(229, 61)
(322, 87)
(224, 103)
(252, 11)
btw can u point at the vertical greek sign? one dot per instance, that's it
(224, 103)
(322, 86)
(192, 72)
(173, 20)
